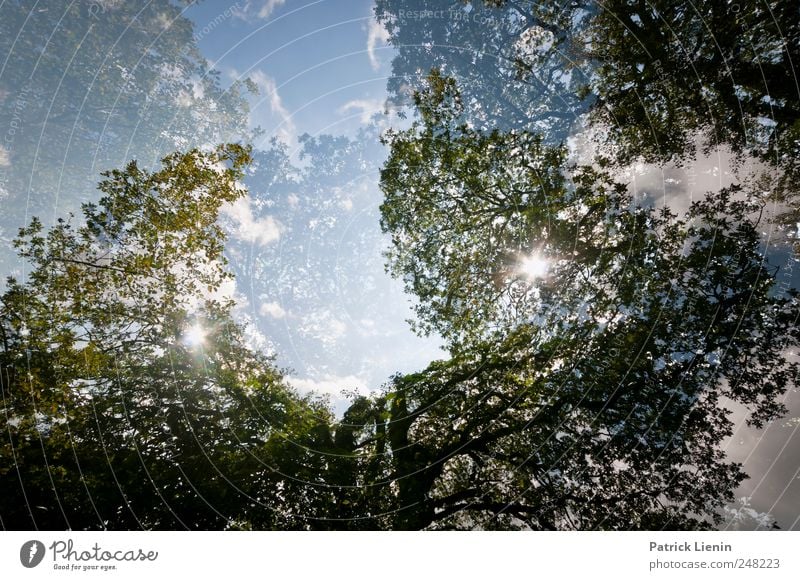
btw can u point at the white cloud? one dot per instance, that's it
(323, 326)
(226, 291)
(368, 327)
(257, 340)
(747, 515)
(254, 338)
(248, 228)
(268, 7)
(673, 185)
(337, 329)
(376, 34)
(5, 158)
(272, 309)
(286, 128)
(250, 9)
(163, 20)
(332, 385)
(201, 266)
(188, 98)
(367, 108)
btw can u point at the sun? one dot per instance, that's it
(534, 266)
(195, 336)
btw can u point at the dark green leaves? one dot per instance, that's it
(594, 340)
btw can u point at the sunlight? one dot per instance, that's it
(534, 266)
(195, 336)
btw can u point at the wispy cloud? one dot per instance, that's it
(247, 227)
(286, 129)
(261, 10)
(332, 385)
(376, 35)
(324, 326)
(269, 7)
(747, 516)
(674, 185)
(272, 309)
(365, 107)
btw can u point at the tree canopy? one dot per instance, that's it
(86, 86)
(654, 74)
(512, 72)
(595, 343)
(650, 81)
(130, 397)
(668, 71)
(588, 389)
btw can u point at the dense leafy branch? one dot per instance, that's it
(607, 383)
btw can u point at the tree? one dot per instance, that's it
(458, 244)
(595, 341)
(86, 86)
(655, 74)
(130, 398)
(668, 71)
(651, 80)
(498, 54)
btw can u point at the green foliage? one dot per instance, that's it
(656, 74)
(653, 80)
(494, 51)
(87, 86)
(114, 417)
(596, 344)
(464, 208)
(592, 395)
(668, 71)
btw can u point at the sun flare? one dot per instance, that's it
(195, 336)
(534, 266)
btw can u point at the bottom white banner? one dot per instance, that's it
(389, 555)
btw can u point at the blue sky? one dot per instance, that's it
(321, 68)
(320, 65)
(307, 250)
